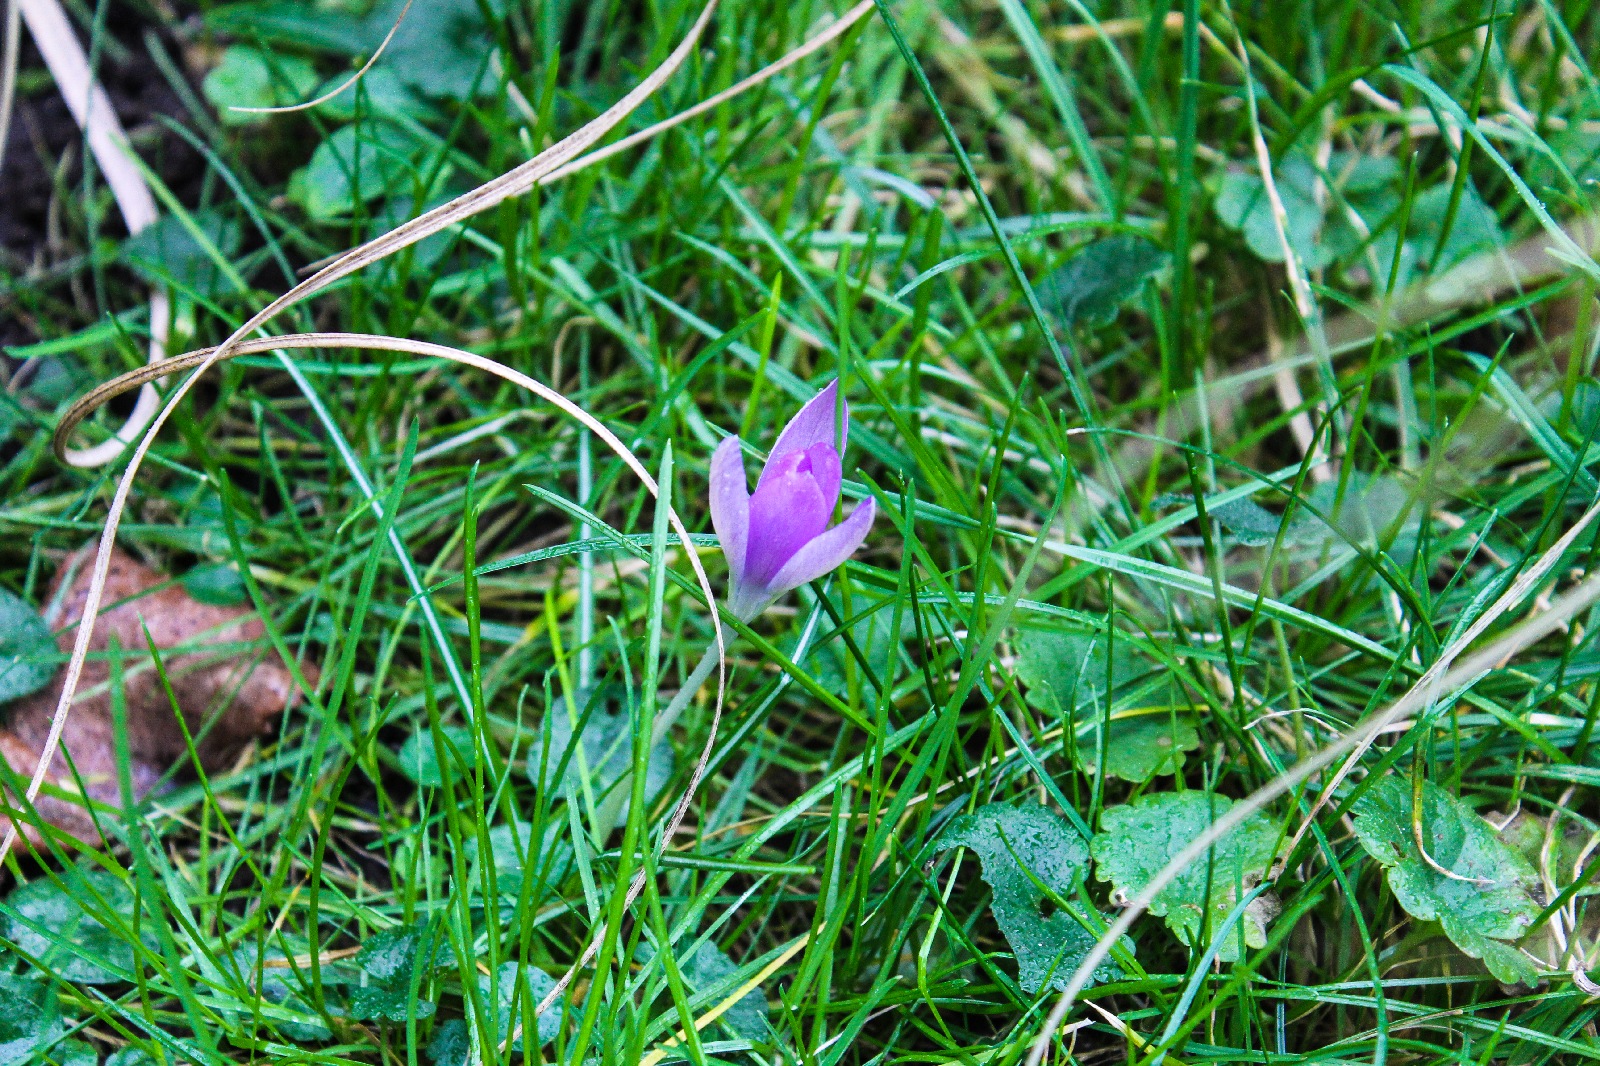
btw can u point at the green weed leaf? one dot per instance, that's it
(1021, 848)
(1495, 903)
(390, 960)
(1066, 674)
(27, 648)
(359, 162)
(1242, 204)
(606, 747)
(420, 756)
(1100, 278)
(57, 925)
(30, 1017)
(1139, 838)
(249, 77)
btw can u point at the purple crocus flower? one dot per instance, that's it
(777, 538)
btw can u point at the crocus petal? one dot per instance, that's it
(826, 471)
(816, 423)
(785, 513)
(730, 505)
(825, 551)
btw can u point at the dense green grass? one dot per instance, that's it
(1130, 466)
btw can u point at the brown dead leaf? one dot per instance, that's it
(228, 682)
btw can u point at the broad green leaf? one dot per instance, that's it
(1100, 278)
(70, 1052)
(538, 985)
(281, 986)
(249, 77)
(390, 961)
(1474, 230)
(379, 92)
(878, 645)
(1137, 839)
(420, 756)
(58, 926)
(1492, 897)
(440, 48)
(451, 1044)
(605, 753)
(166, 252)
(131, 1055)
(27, 649)
(1066, 674)
(1138, 746)
(708, 970)
(357, 163)
(517, 857)
(30, 1016)
(1563, 849)
(1242, 204)
(217, 584)
(1018, 846)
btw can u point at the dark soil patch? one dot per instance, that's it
(43, 133)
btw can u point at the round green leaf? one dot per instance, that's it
(60, 925)
(27, 648)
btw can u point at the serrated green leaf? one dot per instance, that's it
(390, 960)
(1100, 278)
(359, 162)
(1137, 839)
(1066, 674)
(59, 926)
(30, 1016)
(1016, 847)
(420, 755)
(606, 748)
(249, 77)
(1242, 204)
(27, 648)
(1495, 904)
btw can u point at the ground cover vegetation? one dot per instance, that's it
(1218, 680)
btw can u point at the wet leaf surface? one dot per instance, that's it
(1017, 847)
(1489, 901)
(1141, 837)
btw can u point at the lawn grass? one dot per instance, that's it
(1181, 474)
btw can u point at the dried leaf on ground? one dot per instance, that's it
(228, 682)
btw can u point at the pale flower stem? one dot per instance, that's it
(611, 806)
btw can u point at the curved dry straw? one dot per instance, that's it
(108, 144)
(203, 358)
(1443, 677)
(559, 160)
